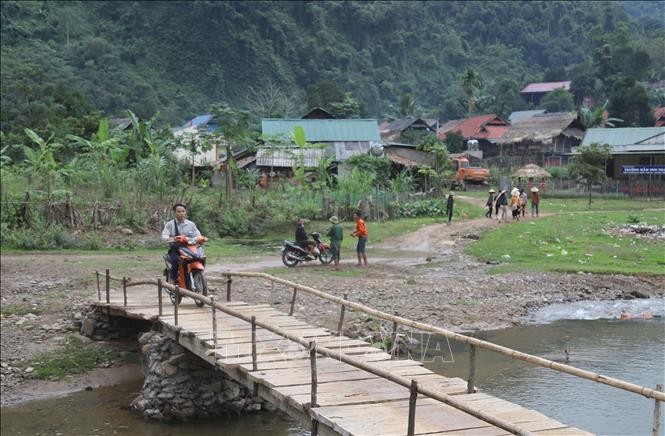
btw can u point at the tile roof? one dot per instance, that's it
(322, 130)
(659, 115)
(480, 127)
(545, 86)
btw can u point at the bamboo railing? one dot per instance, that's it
(473, 343)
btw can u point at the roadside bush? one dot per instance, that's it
(233, 222)
(431, 207)
(40, 237)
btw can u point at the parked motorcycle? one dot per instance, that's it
(293, 253)
(191, 272)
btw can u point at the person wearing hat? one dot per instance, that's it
(490, 204)
(515, 203)
(449, 206)
(336, 235)
(535, 201)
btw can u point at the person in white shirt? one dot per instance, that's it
(180, 225)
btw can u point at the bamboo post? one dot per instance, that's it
(470, 384)
(315, 427)
(412, 408)
(293, 301)
(312, 363)
(341, 319)
(229, 280)
(177, 303)
(214, 321)
(159, 296)
(99, 291)
(255, 365)
(393, 340)
(124, 291)
(656, 414)
(108, 286)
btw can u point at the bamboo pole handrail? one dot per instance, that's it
(514, 354)
(403, 381)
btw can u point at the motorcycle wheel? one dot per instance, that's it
(170, 292)
(289, 261)
(326, 257)
(201, 285)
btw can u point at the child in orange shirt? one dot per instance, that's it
(361, 233)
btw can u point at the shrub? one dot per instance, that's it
(233, 222)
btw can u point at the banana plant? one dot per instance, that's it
(40, 163)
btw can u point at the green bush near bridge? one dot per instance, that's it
(574, 242)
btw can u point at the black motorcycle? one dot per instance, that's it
(293, 253)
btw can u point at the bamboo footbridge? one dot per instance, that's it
(336, 384)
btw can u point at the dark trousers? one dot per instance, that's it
(450, 214)
(174, 260)
(488, 214)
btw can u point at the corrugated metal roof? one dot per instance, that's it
(546, 86)
(324, 130)
(288, 157)
(520, 115)
(621, 136)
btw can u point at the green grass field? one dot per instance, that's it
(573, 242)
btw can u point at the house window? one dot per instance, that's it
(352, 146)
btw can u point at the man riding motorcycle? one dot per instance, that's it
(176, 227)
(302, 239)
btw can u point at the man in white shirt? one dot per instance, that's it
(175, 227)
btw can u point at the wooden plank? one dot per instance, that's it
(390, 418)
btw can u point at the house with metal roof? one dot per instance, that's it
(339, 138)
(635, 150)
(346, 138)
(534, 92)
(520, 115)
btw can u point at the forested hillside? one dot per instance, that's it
(64, 63)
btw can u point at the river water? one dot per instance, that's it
(633, 350)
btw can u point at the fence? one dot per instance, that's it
(656, 394)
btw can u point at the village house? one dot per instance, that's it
(338, 138)
(391, 131)
(544, 139)
(192, 131)
(638, 158)
(486, 129)
(534, 92)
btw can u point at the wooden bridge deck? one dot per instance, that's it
(350, 401)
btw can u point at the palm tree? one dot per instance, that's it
(471, 82)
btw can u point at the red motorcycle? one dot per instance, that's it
(191, 275)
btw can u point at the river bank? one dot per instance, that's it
(424, 276)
